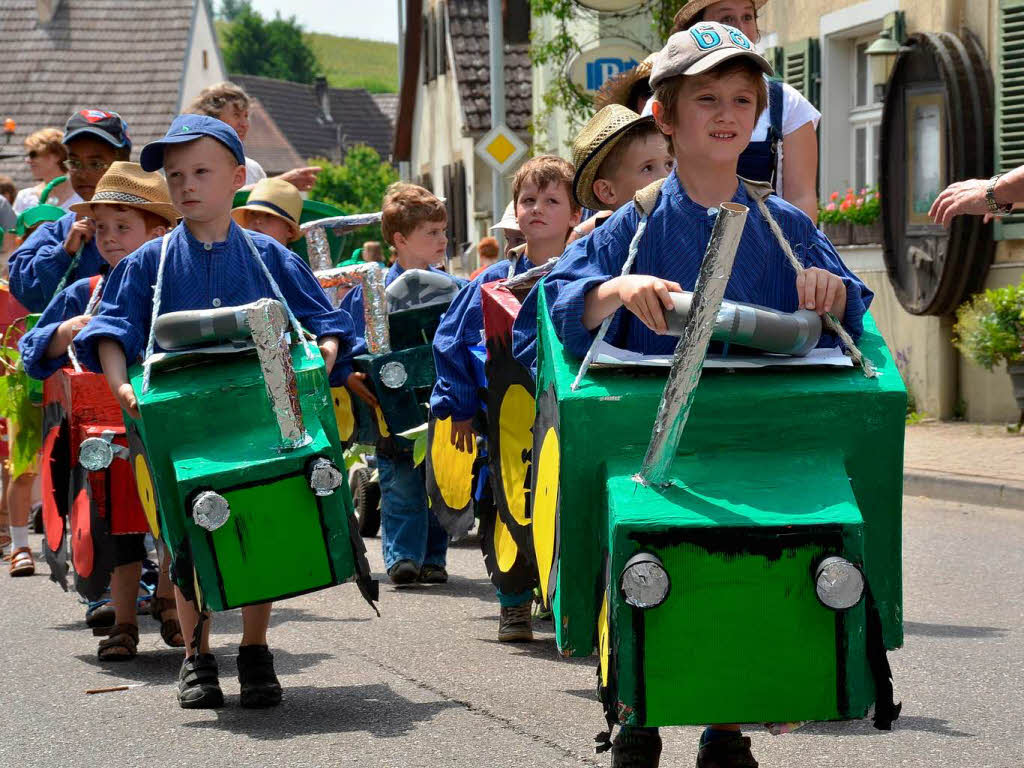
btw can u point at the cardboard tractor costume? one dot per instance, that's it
(237, 451)
(757, 579)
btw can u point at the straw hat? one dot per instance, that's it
(127, 184)
(278, 198)
(616, 90)
(685, 14)
(592, 146)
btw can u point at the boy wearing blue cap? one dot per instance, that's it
(61, 252)
(210, 262)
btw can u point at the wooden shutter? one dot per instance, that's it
(774, 55)
(448, 184)
(1010, 104)
(442, 39)
(459, 210)
(801, 68)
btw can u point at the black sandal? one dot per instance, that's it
(123, 637)
(170, 629)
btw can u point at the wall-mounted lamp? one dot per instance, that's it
(885, 50)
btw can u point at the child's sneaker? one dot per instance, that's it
(404, 572)
(515, 624)
(727, 749)
(198, 685)
(433, 574)
(636, 748)
(260, 687)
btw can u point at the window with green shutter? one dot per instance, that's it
(1010, 104)
(802, 68)
(774, 55)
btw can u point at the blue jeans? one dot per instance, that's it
(408, 530)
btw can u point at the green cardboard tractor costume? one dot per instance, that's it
(236, 451)
(758, 580)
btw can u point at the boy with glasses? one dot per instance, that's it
(61, 252)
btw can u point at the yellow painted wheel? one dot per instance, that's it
(451, 469)
(603, 640)
(515, 421)
(147, 494)
(547, 472)
(505, 549)
(343, 413)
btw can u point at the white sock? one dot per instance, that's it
(19, 536)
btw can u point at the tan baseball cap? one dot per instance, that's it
(703, 47)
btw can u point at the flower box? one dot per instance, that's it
(838, 232)
(868, 234)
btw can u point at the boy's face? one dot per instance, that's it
(513, 239)
(269, 225)
(545, 213)
(714, 118)
(424, 246)
(119, 233)
(203, 177)
(646, 160)
(238, 118)
(88, 160)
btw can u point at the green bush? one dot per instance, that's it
(990, 327)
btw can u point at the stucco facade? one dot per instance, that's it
(203, 63)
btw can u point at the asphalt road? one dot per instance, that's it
(428, 684)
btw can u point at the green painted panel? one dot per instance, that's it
(1009, 139)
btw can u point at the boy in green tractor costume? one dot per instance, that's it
(710, 594)
(209, 262)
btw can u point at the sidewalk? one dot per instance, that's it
(971, 463)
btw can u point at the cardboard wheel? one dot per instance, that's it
(510, 567)
(143, 479)
(92, 544)
(344, 414)
(449, 479)
(510, 409)
(366, 501)
(55, 481)
(546, 493)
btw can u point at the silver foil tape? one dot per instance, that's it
(688, 358)
(375, 303)
(210, 510)
(268, 325)
(319, 249)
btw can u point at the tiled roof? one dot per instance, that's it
(388, 104)
(121, 55)
(467, 22)
(267, 145)
(356, 118)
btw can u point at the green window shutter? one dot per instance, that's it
(774, 55)
(802, 68)
(1010, 104)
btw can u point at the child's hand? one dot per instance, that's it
(71, 327)
(329, 350)
(647, 297)
(126, 397)
(822, 291)
(356, 382)
(463, 436)
(81, 232)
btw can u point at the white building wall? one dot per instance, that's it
(203, 63)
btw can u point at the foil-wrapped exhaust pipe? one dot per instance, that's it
(375, 303)
(268, 325)
(752, 326)
(688, 358)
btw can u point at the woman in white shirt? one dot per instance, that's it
(790, 165)
(45, 155)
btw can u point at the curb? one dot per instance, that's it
(965, 489)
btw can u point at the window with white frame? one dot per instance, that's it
(865, 120)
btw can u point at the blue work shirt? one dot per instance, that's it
(353, 304)
(455, 392)
(37, 267)
(678, 231)
(201, 276)
(70, 302)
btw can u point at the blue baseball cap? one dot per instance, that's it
(189, 128)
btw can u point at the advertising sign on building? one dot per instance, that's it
(593, 67)
(609, 6)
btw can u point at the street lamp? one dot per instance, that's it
(885, 50)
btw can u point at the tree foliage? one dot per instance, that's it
(274, 48)
(357, 185)
(230, 10)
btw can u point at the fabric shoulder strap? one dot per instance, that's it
(776, 99)
(647, 198)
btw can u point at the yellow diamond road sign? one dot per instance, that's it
(500, 148)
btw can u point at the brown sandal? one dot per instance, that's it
(121, 645)
(170, 629)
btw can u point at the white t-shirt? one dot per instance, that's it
(253, 171)
(796, 112)
(29, 198)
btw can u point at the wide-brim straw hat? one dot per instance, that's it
(127, 184)
(278, 198)
(684, 16)
(616, 89)
(592, 146)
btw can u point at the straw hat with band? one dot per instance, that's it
(618, 89)
(592, 146)
(127, 184)
(278, 198)
(684, 16)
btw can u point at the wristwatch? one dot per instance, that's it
(990, 197)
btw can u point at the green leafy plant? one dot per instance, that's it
(864, 209)
(989, 327)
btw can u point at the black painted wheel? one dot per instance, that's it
(366, 500)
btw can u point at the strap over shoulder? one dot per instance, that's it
(646, 198)
(759, 190)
